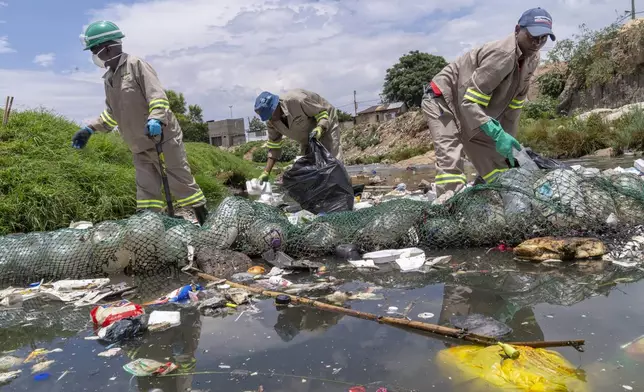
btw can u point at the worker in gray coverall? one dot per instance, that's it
(473, 105)
(136, 101)
(300, 115)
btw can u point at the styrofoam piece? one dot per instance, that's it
(391, 255)
(161, 317)
(361, 205)
(639, 165)
(363, 264)
(406, 262)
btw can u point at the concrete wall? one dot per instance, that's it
(376, 117)
(227, 133)
(252, 136)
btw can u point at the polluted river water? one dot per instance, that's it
(272, 348)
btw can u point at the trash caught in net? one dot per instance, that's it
(520, 205)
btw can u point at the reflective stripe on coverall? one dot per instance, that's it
(134, 95)
(485, 83)
(303, 111)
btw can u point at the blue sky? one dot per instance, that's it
(224, 52)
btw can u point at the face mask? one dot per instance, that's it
(98, 61)
(101, 63)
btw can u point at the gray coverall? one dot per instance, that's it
(134, 95)
(488, 82)
(302, 111)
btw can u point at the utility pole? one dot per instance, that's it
(633, 9)
(355, 104)
(231, 111)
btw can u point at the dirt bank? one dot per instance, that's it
(391, 141)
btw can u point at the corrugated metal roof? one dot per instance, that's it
(382, 108)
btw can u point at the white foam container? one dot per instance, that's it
(391, 255)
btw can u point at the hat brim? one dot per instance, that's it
(538, 31)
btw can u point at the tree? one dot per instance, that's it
(190, 120)
(405, 80)
(344, 116)
(177, 102)
(195, 113)
(256, 125)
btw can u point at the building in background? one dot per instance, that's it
(254, 136)
(379, 113)
(227, 133)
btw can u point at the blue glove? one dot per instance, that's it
(154, 127)
(81, 137)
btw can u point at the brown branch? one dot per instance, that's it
(417, 325)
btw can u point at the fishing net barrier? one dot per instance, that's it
(520, 205)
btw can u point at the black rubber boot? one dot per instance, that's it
(201, 213)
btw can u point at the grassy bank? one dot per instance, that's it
(568, 137)
(45, 184)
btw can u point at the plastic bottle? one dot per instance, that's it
(525, 162)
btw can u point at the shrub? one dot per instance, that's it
(543, 107)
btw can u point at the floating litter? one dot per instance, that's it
(426, 315)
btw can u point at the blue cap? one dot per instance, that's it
(538, 22)
(265, 105)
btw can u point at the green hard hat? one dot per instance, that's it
(100, 32)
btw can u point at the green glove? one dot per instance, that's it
(263, 177)
(504, 141)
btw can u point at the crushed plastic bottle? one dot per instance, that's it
(524, 160)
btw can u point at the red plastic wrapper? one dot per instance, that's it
(105, 315)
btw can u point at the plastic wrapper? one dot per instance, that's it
(143, 367)
(104, 315)
(319, 182)
(477, 368)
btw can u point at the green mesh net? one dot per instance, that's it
(520, 205)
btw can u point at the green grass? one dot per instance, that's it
(243, 149)
(45, 184)
(572, 138)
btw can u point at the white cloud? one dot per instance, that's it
(45, 59)
(225, 52)
(4, 45)
(70, 95)
(4, 4)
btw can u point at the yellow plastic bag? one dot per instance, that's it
(477, 368)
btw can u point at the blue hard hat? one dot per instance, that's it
(538, 22)
(265, 105)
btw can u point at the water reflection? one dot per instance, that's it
(292, 320)
(459, 300)
(177, 345)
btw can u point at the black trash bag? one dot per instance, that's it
(545, 163)
(125, 329)
(319, 182)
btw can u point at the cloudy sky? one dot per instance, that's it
(224, 52)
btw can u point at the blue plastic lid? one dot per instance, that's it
(41, 376)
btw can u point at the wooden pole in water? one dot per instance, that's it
(417, 325)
